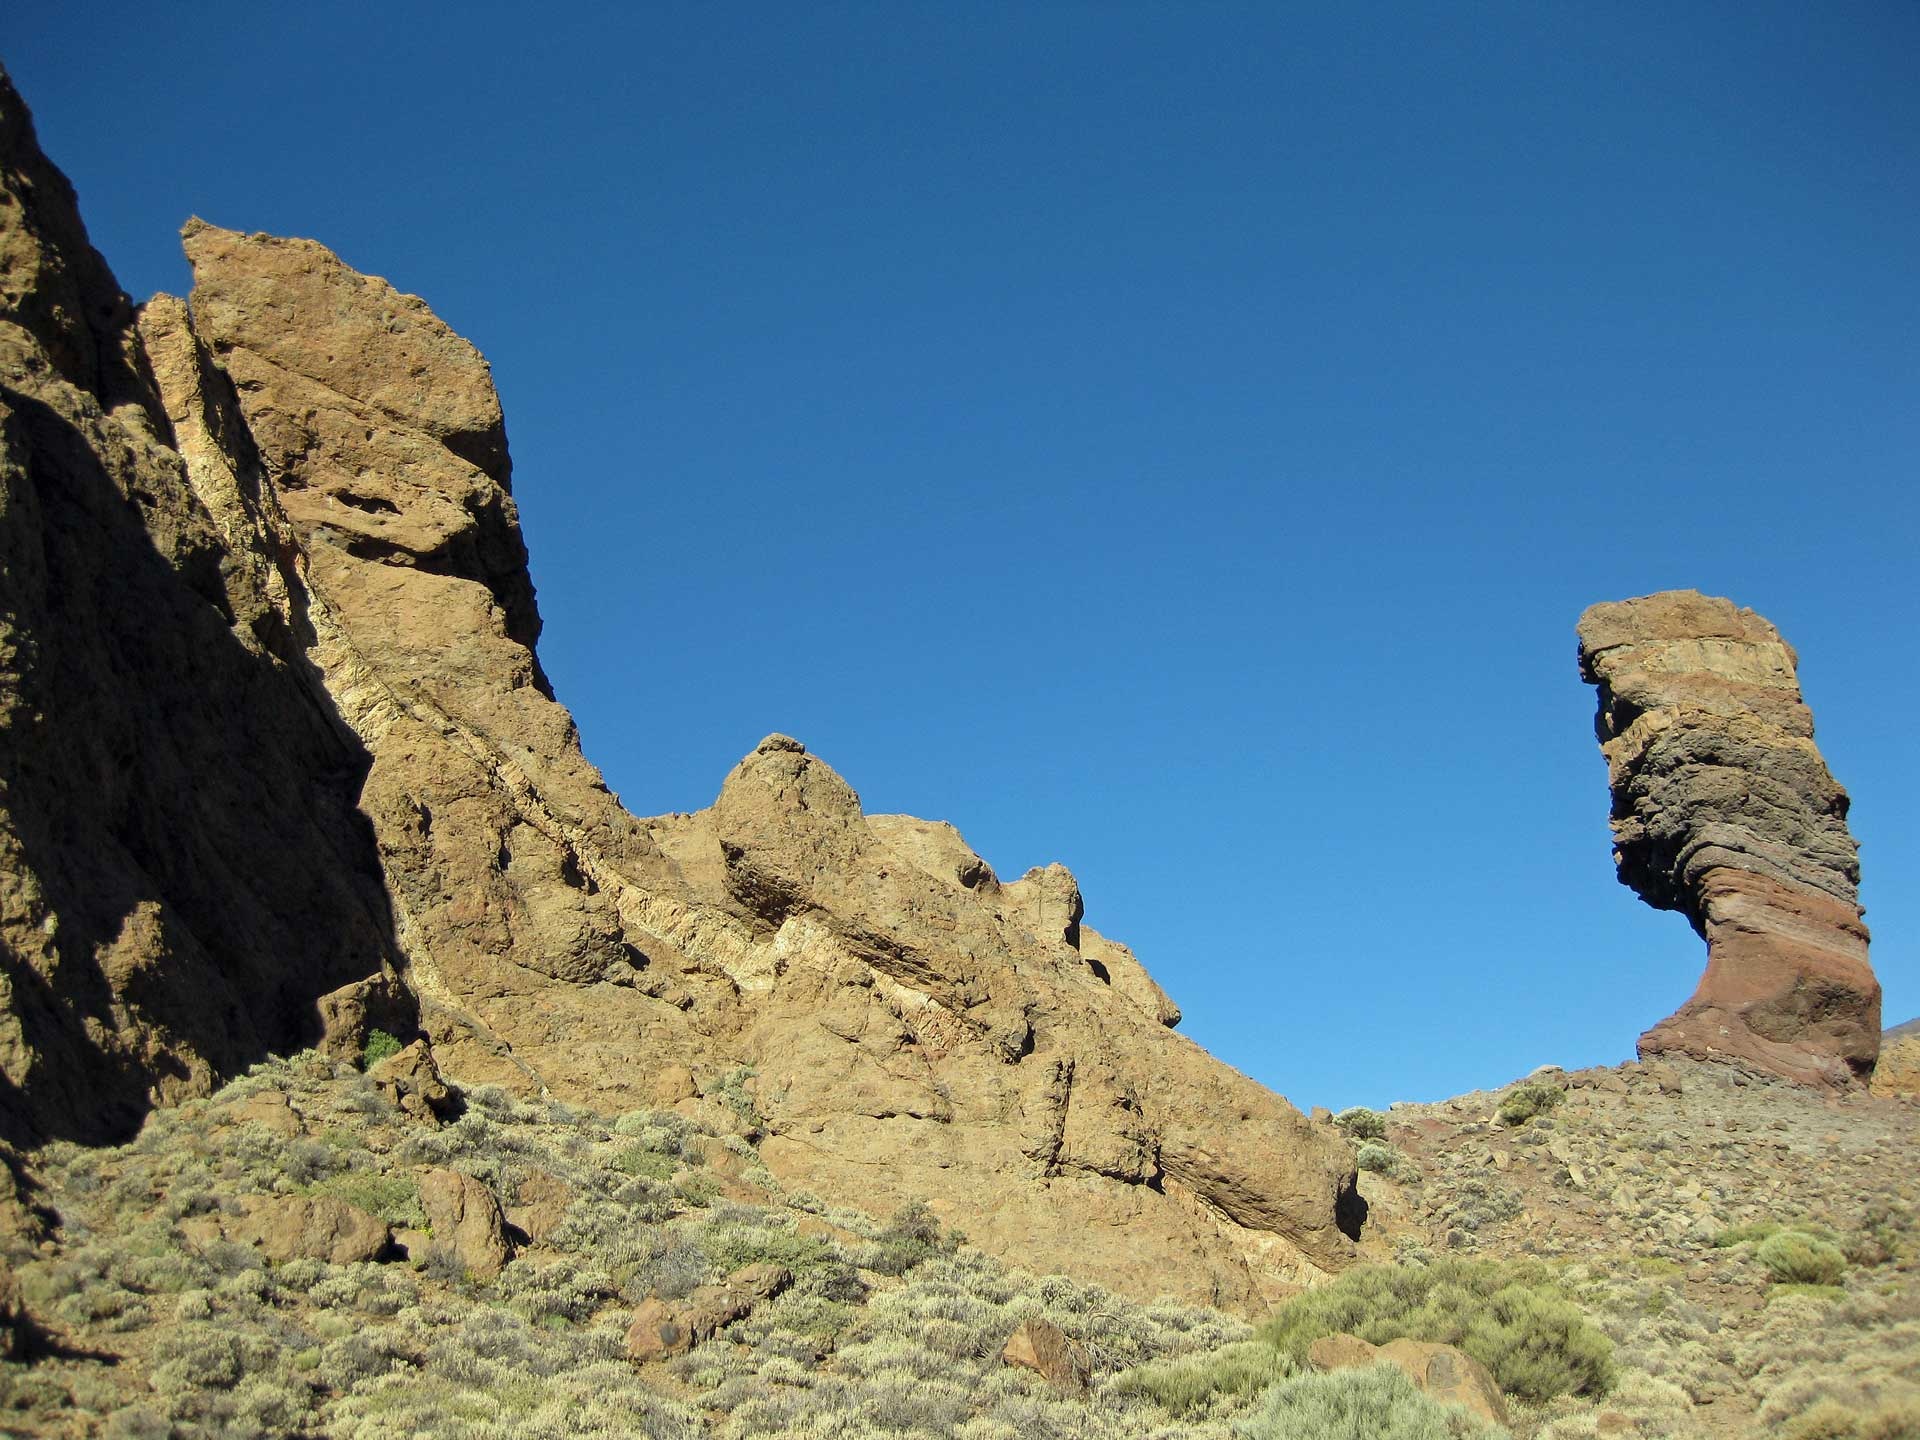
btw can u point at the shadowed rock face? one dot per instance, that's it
(1724, 810)
(310, 472)
(183, 872)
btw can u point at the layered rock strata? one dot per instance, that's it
(270, 638)
(1724, 810)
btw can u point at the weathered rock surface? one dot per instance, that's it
(324, 1227)
(466, 1221)
(265, 541)
(183, 871)
(1898, 1069)
(1046, 1350)
(15, 1327)
(1724, 810)
(412, 1080)
(661, 1329)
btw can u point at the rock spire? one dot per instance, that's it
(1724, 810)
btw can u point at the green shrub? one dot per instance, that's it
(379, 1046)
(645, 1163)
(1362, 1123)
(911, 1236)
(1191, 1384)
(1524, 1101)
(1509, 1317)
(1796, 1258)
(1385, 1160)
(1377, 1402)
(736, 1237)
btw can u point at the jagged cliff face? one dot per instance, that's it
(1724, 810)
(275, 731)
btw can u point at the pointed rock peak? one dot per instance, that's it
(295, 304)
(777, 742)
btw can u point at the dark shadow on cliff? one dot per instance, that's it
(183, 869)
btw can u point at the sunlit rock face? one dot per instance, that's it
(1724, 810)
(280, 760)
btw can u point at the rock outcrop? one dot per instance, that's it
(1724, 810)
(264, 541)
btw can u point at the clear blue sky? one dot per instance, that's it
(1172, 440)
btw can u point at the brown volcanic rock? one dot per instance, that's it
(1898, 1070)
(291, 582)
(918, 1027)
(182, 870)
(1724, 810)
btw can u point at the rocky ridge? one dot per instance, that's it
(1724, 810)
(318, 731)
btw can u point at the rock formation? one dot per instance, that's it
(275, 734)
(183, 872)
(1724, 810)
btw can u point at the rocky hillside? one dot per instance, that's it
(1673, 1251)
(283, 768)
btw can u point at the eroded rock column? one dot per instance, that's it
(1724, 810)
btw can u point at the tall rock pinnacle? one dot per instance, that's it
(1724, 810)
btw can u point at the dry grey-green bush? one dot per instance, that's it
(1374, 1402)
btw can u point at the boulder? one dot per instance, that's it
(662, 1328)
(540, 1203)
(266, 1108)
(466, 1221)
(1724, 810)
(322, 1227)
(412, 1080)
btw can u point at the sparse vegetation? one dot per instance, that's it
(1527, 1101)
(1385, 1160)
(894, 1328)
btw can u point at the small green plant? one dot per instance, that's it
(732, 1092)
(379, 1046)
(1526, 1101)
(911, 1236)
(1794, 1257)
(1361, 1123)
